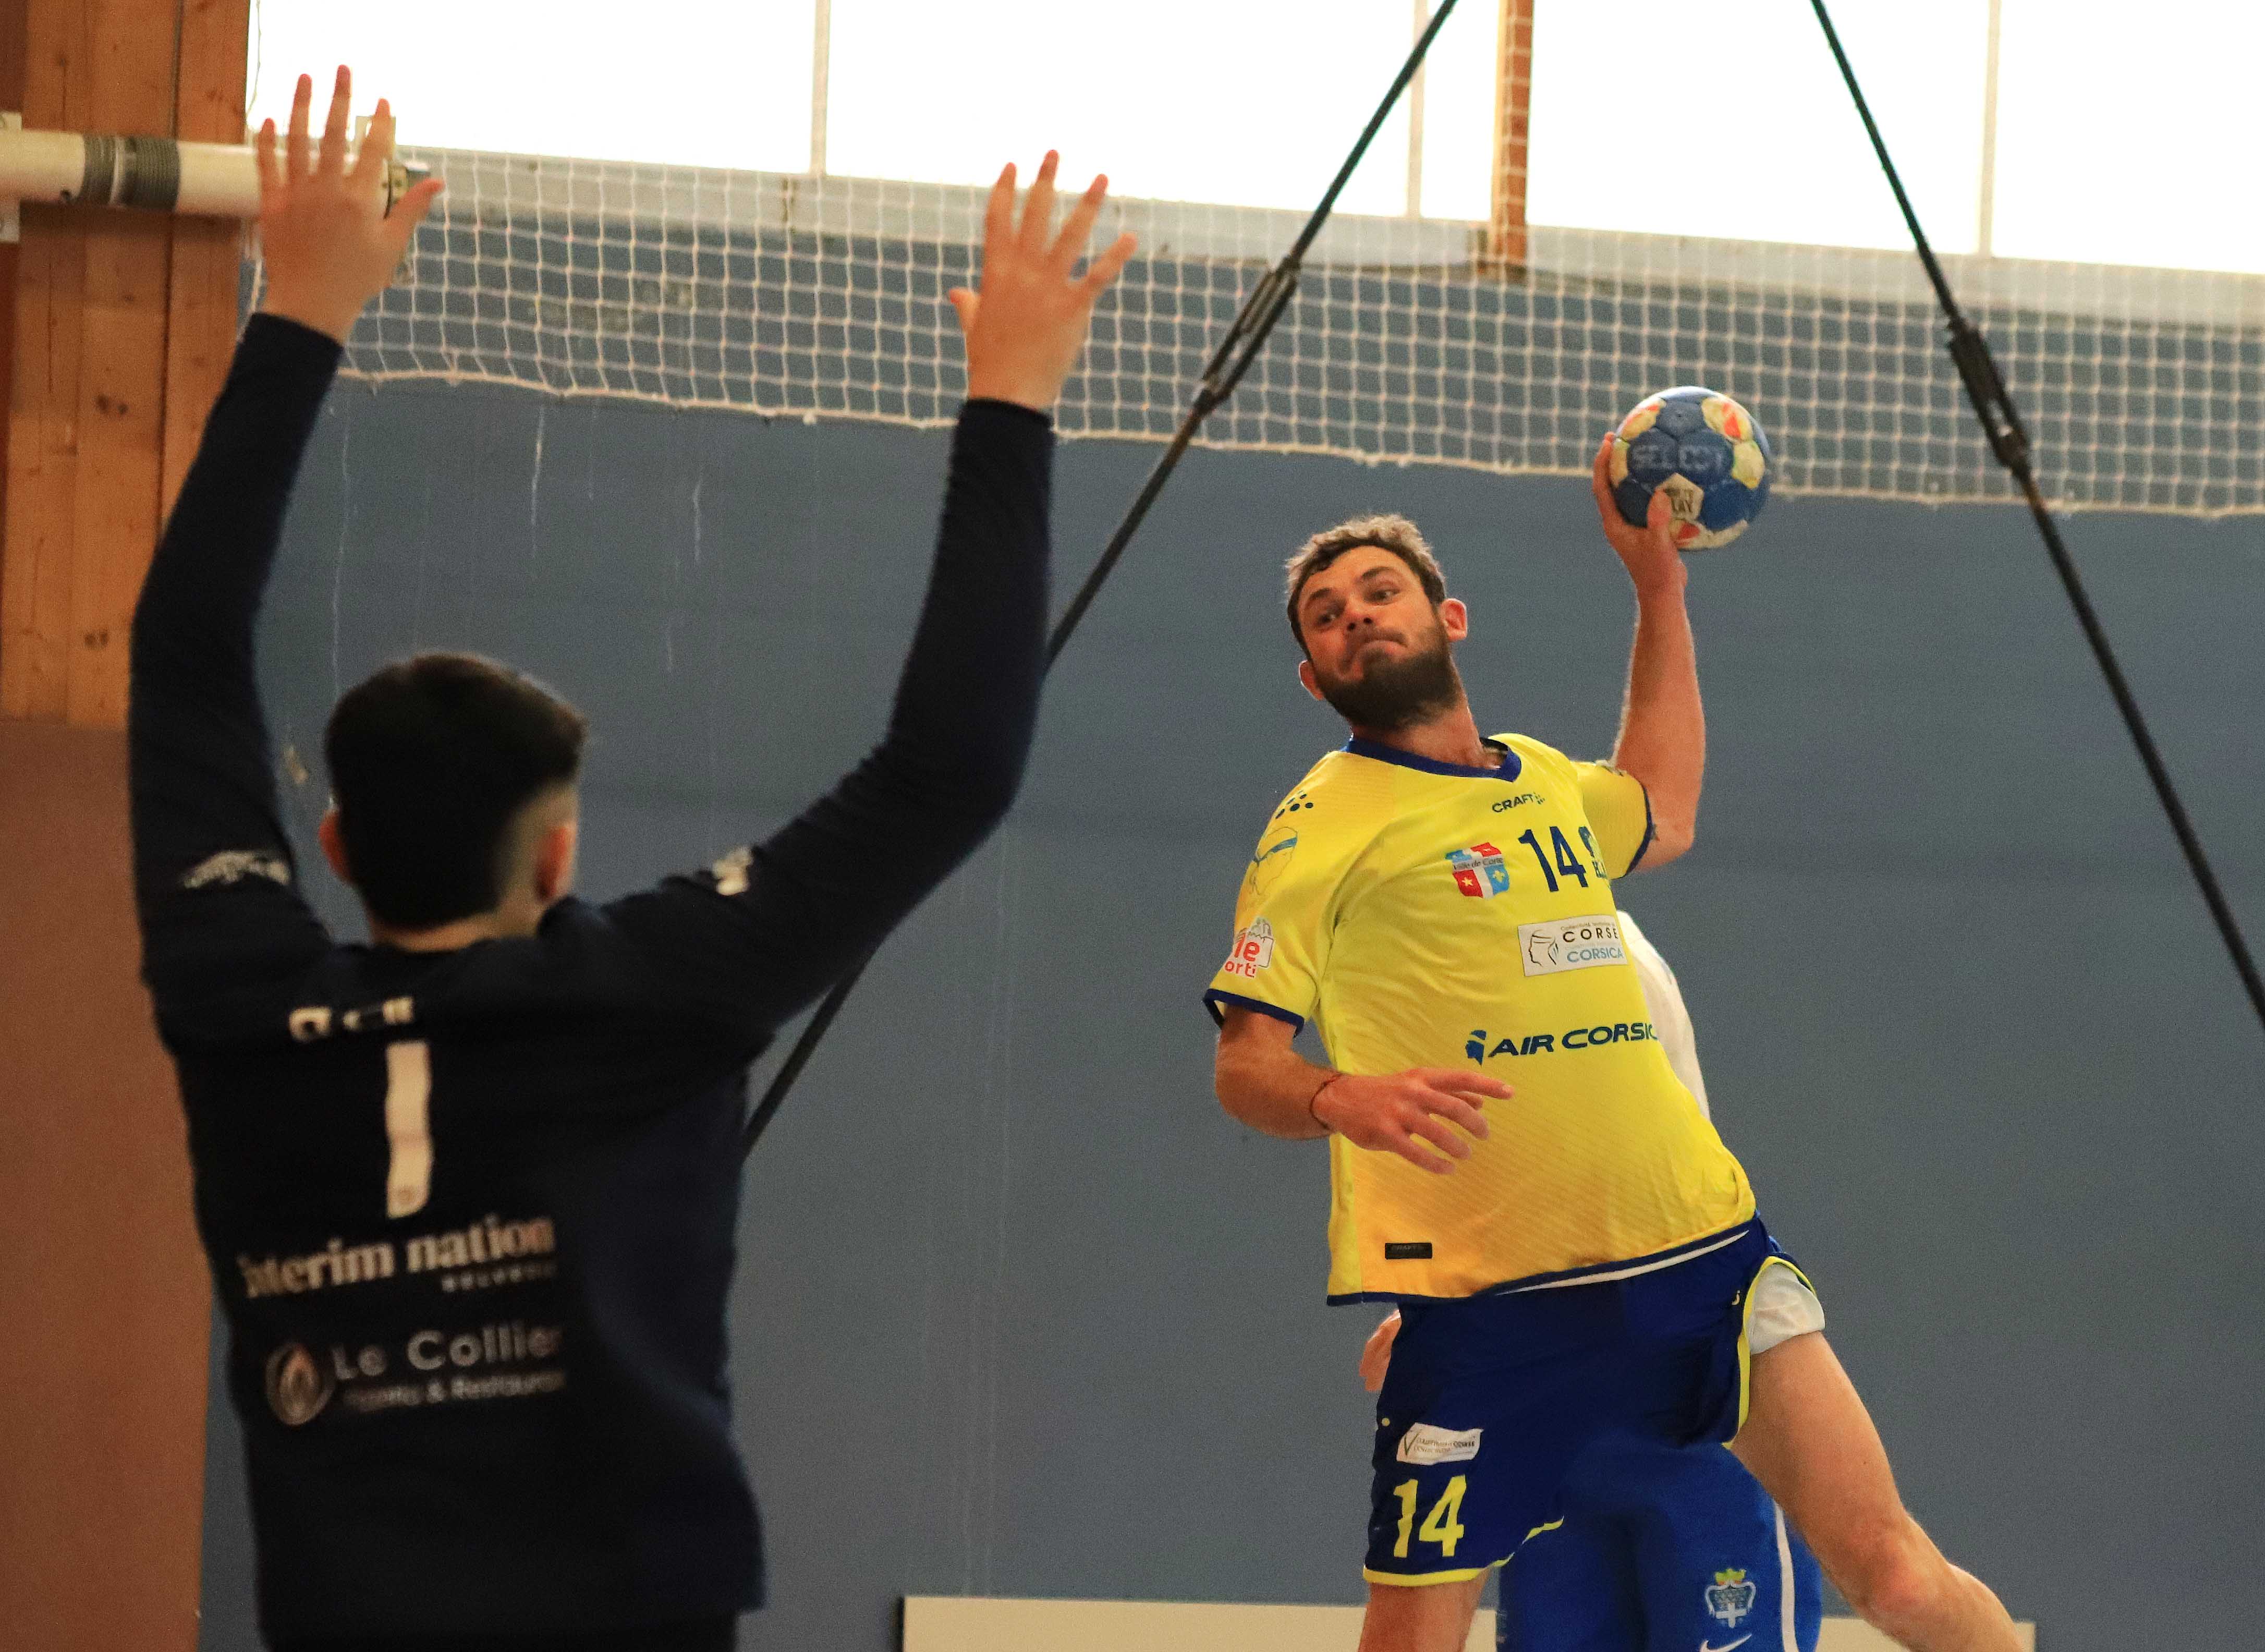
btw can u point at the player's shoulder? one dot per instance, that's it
(1339, 793)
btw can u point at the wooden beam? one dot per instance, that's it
(208, 253)
(1513, 100)
(11, 98)
(123, 326)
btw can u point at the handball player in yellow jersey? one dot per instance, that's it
(1513, 1161)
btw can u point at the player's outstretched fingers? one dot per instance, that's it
(1429, 1125)
(333, 163)
(295, 144)
(1070, 243)
(270, 168)
(376, 149)
(1108, 267)
(999, 213)
(1457, 1096)
(1600, 480)
(1039, 210)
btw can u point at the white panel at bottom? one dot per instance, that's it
(950, 1623)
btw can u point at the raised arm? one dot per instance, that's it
(213, 869)
(797, 911)
(1663, 737)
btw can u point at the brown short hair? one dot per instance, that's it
(1395, 533)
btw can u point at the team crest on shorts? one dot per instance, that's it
(1731, 1597)
(1479, 871)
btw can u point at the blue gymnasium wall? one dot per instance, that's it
(1020, 1312)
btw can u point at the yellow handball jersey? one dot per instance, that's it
(1424, 914)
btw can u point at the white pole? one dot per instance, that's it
(1984, 227)
(821, 76)
(1415, 207)
(211, 180)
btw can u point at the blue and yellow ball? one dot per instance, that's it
(1706, 451)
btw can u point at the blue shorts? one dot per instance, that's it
(1489, 1400)
(1662, 1551)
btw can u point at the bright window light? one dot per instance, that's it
(1459, 82)
(2122, 135)
(1728, 118)
(1253, 102)
(715, 82)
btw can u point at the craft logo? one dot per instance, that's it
(1268, 865)
(1732, 1597)
(1479, 871)
(1571, 943)
(1252, 951)
(298, 1388)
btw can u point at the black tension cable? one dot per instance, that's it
(2009, 441)
(1236, 352)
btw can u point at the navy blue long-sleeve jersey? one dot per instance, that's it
(469, 1214)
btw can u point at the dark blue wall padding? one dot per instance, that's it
(1021, 1312)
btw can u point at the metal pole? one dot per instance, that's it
(1985, 227)
(821, 82)
(1414, 208)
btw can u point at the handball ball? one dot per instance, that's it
(1707, 453)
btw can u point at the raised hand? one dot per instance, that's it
(330, 244)
(1027, 324)
(1648, 552)
(1397, 1112)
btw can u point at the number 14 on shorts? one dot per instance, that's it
(1440, 1526)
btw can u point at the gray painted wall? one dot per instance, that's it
(1960, 1015)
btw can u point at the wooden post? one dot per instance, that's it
(1513, 96)
(123, 325)
(113, 339)
(208, 253)
(11, 98)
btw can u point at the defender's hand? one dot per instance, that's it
(330, 244)
(1392, 1112)
(1376, 1353)
(1648, 552)
(1025, 328)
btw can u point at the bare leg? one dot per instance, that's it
(1430, 1617)
(1809, 1441)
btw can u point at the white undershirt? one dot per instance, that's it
(1671, 1021)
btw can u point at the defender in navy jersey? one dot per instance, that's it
(469, 1192)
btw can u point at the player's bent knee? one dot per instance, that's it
(1431, 1618)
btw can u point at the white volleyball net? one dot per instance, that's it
(790, 295)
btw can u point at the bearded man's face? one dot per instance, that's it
(1380, 652)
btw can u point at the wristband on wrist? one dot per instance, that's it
(1316, 1096)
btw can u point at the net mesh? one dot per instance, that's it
(789, 295)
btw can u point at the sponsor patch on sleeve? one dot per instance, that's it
(1252, 951)
(233, 866)
(1571, 943)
